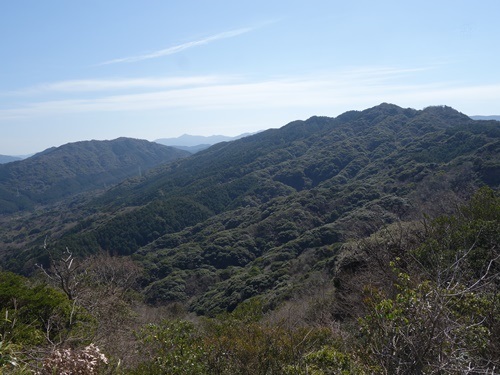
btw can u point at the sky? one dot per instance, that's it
(149, 69)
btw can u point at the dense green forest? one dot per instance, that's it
(62, 172)
(366, 243)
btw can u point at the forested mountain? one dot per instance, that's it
(226, 224)
(57, 173)
(315, 248)
(7, 159)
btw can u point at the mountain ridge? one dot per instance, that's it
(187, 140)
(8, 159)
(58, 172)
(486, 118)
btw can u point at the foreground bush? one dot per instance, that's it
(86, 361)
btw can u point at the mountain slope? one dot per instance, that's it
(261, 215)
(7, 159)
(60, 172)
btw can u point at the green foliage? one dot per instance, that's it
(464, 247)
(443, 311)
(9, 353)
(351, 160)
(174, 348)
(31, 314)
(237, 343)
(259, 216)
(34, 316)
(244, 231)
(330, 361)
(58, 173)
(424, 328)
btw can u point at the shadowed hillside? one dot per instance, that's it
(57, 173)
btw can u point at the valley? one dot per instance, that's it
(341, 227)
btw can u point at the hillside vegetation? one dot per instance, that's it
(8, 159)
(65, 171)
(366, 243)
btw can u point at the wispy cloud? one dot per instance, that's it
(327, 94)
(117, 84)
(179, 48)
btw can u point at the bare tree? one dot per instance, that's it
(63, 271)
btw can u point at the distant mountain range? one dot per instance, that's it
(57, 173)
(196, 143)
(496, 118)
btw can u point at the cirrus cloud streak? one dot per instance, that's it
(178, 48)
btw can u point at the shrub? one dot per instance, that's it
(86, 361)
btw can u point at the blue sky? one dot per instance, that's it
(94, 69)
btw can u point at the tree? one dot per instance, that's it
(35, 319)
(444, 312)
(103, 287)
